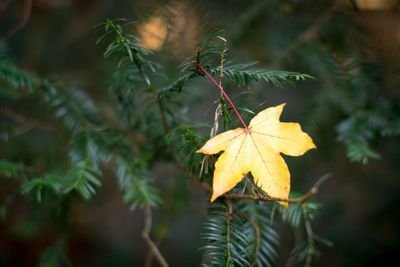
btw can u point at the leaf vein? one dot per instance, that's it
(259, 153)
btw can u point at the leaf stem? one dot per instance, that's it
(223, 92)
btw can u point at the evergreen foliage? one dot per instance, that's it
(143, 129)
(243, 237)
(246, 74)
(351, 86)
(226, 237)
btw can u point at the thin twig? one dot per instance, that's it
(221, 66)
(150, 256)
(310, 193)
(147, 239)
(307, 196)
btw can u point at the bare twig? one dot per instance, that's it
(307, 196)
(221, 66)
(310, 194)
(147, 239)
(150, 256)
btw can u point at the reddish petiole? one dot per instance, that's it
(223, 92)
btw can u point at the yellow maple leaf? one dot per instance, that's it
(257, 149)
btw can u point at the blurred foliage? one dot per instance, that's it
(110, 123)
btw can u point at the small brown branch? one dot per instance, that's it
(310, 193)
(147, 239)
(150, 256)
(307, 196)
